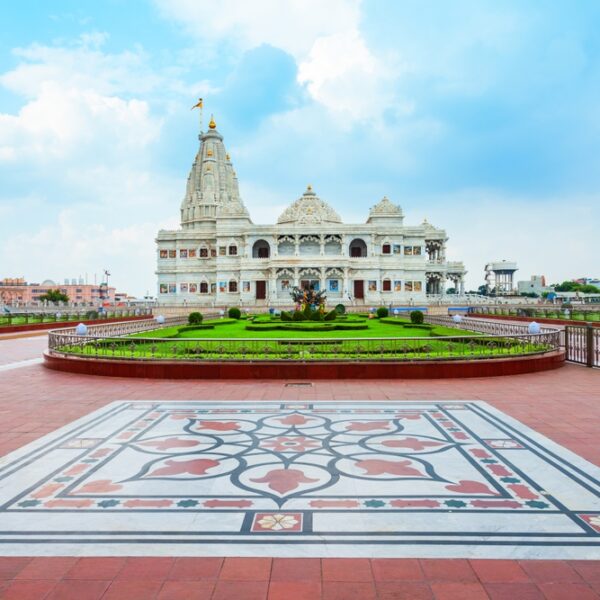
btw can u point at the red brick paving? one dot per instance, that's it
(563, 405)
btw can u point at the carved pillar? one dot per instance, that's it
(321, 244)
(296, 245)
(272, 284)
(296, 278)
(322, 278)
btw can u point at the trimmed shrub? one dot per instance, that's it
(331, 315)
(307, 311)
(316, 315)
(90, 315)
(195, 318)
(286, 316)
(340, 309)
(234, 312)
(299, 316)
(197, 327)
(416, 317)
(382, 312)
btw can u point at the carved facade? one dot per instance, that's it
(220, 258)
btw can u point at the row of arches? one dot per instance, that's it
(262, 249)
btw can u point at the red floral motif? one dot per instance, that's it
(100, 486)
(64, 503)
(499, 470)
(412, 443)
(294, 420)
(196, 466)
(292, 443)
(335, 503)
(465, 486)
(219, 425)
(284, 480)
(495, 504)
(47, 490)
(392, 467)
(139, 503)
(227, 503)
(165, 444)
(522, 491)
(367, 426)
(414, 503)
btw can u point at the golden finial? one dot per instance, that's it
(227, 157)
(209, 152)
(212, 124)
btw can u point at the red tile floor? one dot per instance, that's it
(563, 405)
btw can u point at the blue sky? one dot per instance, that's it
(482, 116)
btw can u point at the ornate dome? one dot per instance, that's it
(309, 209)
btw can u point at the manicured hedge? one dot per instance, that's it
(192, 327)
(310, 326)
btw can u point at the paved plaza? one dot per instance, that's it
(115, 488)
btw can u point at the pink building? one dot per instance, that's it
(18, 291)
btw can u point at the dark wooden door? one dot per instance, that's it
(355, 252)
(261, 290)
(359, 288)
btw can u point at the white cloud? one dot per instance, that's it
(334, 61)
(341, 73)
(292, 25)
(71, 122)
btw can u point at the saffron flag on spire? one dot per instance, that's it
(198, 105)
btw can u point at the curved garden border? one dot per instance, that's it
(431, 369)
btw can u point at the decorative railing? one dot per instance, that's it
(115, 330)
(30, 315)
(465, 347)
(578, 312)
(582, 344)
(485, 326)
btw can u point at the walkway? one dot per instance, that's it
(562, 405)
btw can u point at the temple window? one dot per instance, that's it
(233, 287)
(172, 253)
(183, 253)
(386, 249)
(203, 252)
(203, 287)
(164, 254)
(387, 285)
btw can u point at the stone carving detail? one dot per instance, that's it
(385, 207)
(309, 209)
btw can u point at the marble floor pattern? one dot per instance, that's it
(430, 479)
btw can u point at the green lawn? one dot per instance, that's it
(230, 340)
(230, 328)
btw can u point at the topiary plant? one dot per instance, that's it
(382, 312)
(195, 318)
(286, 316)
(308, 311)
(316, 315)
(298, 316)
(340, 309)
(234, 312)
(331, 315)
(416, 317)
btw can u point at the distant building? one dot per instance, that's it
(499, 277)
(536, 284)
(588, 281)
(16, 291)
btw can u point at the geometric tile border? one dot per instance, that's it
(347, 478)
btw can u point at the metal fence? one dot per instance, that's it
(582, 344)
(60, 315)
(471, 347)
(488, 326)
